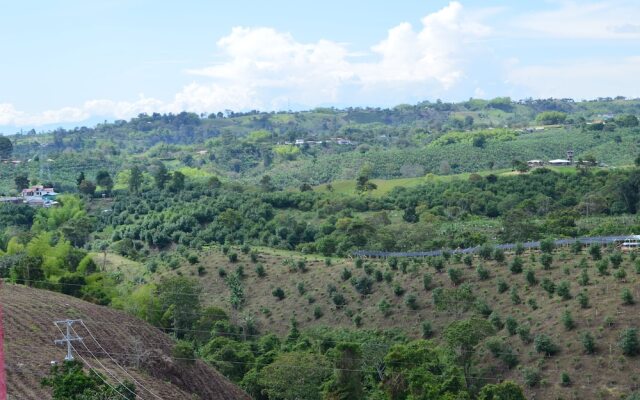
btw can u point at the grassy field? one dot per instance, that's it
(603, 375)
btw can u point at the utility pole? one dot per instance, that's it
(68, 337)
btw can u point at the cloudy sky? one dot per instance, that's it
(76, 62)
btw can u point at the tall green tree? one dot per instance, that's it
(160, 174)
(346, 382)
(135, 180)
(103, 179)
(463, 337)
(6, 147)
(21, 181)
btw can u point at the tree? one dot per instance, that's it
(180, 303)
(295, 375)
(6, 147)
(346, 382)
(503, 391)
(629, 342)
(69, 382)
(87, 187)
(160, 174)
(21, 181)
(80, 178)
(363, 184)
(104, 180)
(463, 336)
(135, 179)
(177, 181)
(266, 184)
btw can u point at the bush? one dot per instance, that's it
(616, 259)
(565, 380)
(512, 325)
(515, 298)
(483, 308)
(201, 270)
(563, 290)
(233, 257)
(245, 249)
(317, 312)
(301, 289)
(359, 262)
(485, 252)
(546, 260)
(411, 301)
(388, 276)
(254, 256)
(567, 320)
(583, 299)
(483, 273)
(629, 342)
(531, 376)
(588, 343)
(345, 275)
(438, 264)
(339, 300)
(398, 290)
(496, 321)
(603, 267)
(627, 297)
(547, 246)
(519, 249)
(468, 260)
(222, 272)
(384, 307)
(183, 351)
(544, 345)
(621, 274)
(576, 247)
(393, 263)
(548, 285)
(427, 330)
(260, 271)
(583, 279)
(524, 332)
(357, 320)
(595, 252)
(530, 276)
(502, 286)
(426, 281)
(455, 275)
(377, 275)
(278, 293)
(516, 265)
(498, 255)
(364, 285)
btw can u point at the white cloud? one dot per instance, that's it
(586, 79)
(584, 20)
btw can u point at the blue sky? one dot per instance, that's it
(70, 62)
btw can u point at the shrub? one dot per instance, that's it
(339, 300)
(515, 298)
(301, 265)
(377, 275)
(438, 264)
(254, 256)
(629, 342)
(193, 259)
(616, 259)
(563, 290)
(364, 285)
(388, 276)
(359, 262)
(427, 330)
(222, 272)
(426, 281)
(512, 325)
(565, 380)
(583, 299)
(588, 343)
(398, 290)
(393, 263)
(502, 286)
(184, 351)
(621, 274)
(260, 271)
(496, 321)
(317, 312)
(225, 250)
(576, 247)
(240, 272)
(547, 245)
(483, 273)
(498, 255)
(455, 275)
(603, 267)
(327, 262)
(548, 285)
(301, 289)
(530, 276)
(532, 303)
(483, 308)
(516, 265)
(357, 320)
(627, 297)
(485, 252)
(531, 376)
(384, 307)
(524, 332)
(544, 345)
(278, 293)
(411, 301)
(201, 270)
(567, 320)
(594, 252)
(583, 279)
(519, 249)
(546, 260)
(233, 257)
(345, 275)
(245, 249)
(468, 260)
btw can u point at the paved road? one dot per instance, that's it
(508, 246)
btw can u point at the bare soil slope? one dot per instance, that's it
(144, 351)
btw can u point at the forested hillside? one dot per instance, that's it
(235, 234)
